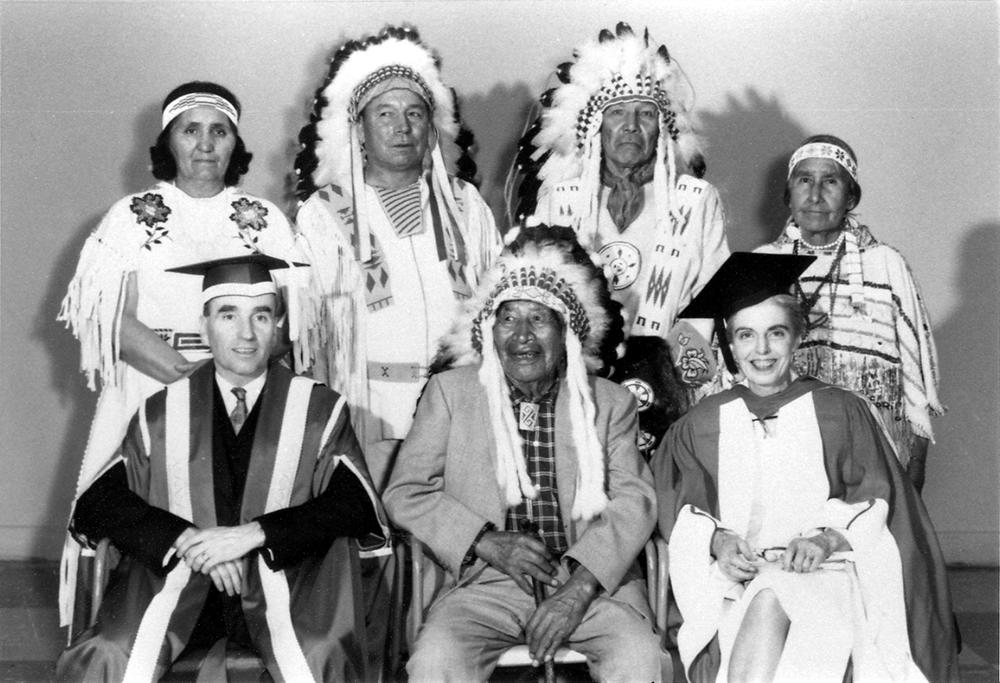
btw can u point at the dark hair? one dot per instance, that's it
(279, 306)
(164, 166)
(648, 360)
(793, 312)
(853, 189)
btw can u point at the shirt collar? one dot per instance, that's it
(517, 396)
(253, 389)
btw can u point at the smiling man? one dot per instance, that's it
(613, 155)
(519, 432)
(234, 501)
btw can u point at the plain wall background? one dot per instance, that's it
(912, 86)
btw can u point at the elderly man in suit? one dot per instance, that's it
(521, 433)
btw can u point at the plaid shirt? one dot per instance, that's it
(540, 458)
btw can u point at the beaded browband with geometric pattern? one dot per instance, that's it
(621, 89)
(540, 285)
(383, 74)
(824, 150)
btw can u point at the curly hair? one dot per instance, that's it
(164, 166)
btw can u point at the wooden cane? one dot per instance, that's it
(538, 590)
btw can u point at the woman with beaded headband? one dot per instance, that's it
(517, 433)
(868, 326)
(397, 235)
(137, 324)
(607, 157)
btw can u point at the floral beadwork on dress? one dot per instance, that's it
(694, 365)
(150, 211)
(249, 214)
(249, 218)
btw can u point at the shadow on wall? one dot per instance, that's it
(63, 349)
(969, 382)
(497, 118)
(135, 171)
(281, 164)
(747, 148)
(66, 381)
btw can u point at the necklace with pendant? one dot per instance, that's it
(527, 417)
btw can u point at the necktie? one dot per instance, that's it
(239, 414)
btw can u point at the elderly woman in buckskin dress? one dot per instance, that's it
(868, 328)
(137, 324)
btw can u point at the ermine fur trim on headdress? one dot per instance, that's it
(546, 275)
(825, 150)
(394, 53)
(198, 99)
(617, 68)
(541, 274)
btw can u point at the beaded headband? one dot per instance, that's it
(620, 89)
(541, 285)
(825, 150)
(366, 90)
(198, 99)
(358, 71)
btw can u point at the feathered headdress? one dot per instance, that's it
(565, 143)
(547, 266)
(360, 70)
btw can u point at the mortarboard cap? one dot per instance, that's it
(248, 275)
(745, 279)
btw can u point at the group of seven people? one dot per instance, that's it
(247, 498)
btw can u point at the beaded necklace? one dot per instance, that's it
(832, 278)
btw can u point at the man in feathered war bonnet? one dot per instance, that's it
(519, 432)
(614, 156)
(397, 236)
(234, 500)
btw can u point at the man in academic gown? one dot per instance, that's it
(235, 501)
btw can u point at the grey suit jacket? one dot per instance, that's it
(443, 488)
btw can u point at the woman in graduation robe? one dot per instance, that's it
(800, 550)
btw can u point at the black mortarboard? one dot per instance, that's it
(745, 279)
(248, 275)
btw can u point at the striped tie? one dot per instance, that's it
(239, 414)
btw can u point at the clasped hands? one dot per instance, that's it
(738, 561)
(219, 552)
(524, 557)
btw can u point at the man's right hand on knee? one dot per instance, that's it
(521, 556)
